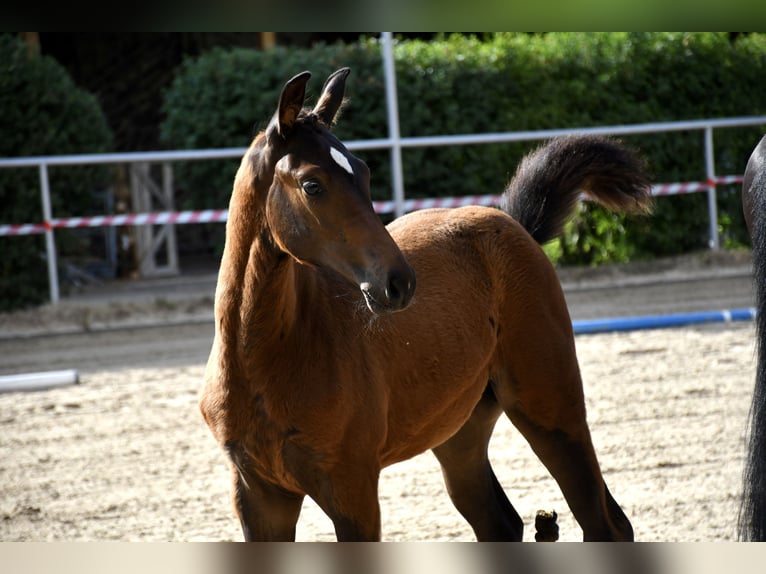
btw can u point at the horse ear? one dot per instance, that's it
(290, 103)
(332, 96)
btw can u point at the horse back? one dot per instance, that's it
(491, 261)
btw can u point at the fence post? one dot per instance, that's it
(151, 241)
(50, 243)
(393, 122)
(712, 205)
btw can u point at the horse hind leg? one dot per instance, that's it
(541, 392)
(470, 480)
(571, 460)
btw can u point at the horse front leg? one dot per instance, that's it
(266, 512)
(349, 497)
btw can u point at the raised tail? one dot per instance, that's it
(752, 514)
(550, 181)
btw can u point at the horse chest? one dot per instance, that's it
(265, 441)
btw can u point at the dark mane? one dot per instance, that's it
(309, 118)
(306, 117)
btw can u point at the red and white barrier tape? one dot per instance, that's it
(221, 215)
(690, 187)
(157, 218)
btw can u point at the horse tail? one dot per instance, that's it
(752, 513)
(549, 182)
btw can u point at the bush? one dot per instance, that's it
(499, 83)
(43, 113)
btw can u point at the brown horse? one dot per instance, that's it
(752, 517)
(325, 368)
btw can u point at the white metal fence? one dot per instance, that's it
(399, 204)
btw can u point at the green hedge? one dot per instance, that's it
(497, 83)
(43, 113)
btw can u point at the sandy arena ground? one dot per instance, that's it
(126, 456)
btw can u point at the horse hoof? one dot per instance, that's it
(546, 528)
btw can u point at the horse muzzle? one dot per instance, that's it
(395, 294)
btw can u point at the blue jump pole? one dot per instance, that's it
(591, 326)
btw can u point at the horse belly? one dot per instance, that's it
(434, 390)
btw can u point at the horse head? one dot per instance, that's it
(318, 207)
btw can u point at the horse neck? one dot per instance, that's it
(256, 282)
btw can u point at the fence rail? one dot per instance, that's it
(398, 204)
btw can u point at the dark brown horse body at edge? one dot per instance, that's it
(328, 363)
(752, 517)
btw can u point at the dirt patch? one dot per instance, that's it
(125, 455)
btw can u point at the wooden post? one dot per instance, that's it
(32, 41)
(268, 40)
(150, 241)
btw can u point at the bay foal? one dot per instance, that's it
(342, 346)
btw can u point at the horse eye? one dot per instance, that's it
(311, 186)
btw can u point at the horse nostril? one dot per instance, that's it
(400, 289)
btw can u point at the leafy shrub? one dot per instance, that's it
(43, 113)
(499, 83)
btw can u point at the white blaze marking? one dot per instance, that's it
(341, 160)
